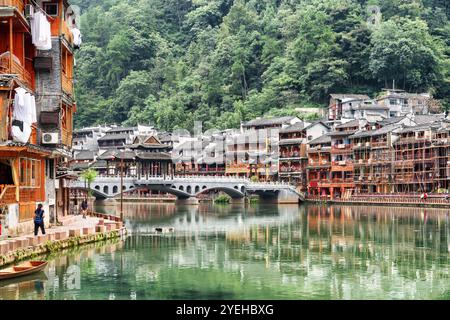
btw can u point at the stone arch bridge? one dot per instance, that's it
(192, 187)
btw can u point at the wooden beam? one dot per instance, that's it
(11, 44)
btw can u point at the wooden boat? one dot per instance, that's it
(23, 269)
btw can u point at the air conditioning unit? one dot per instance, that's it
(361, 178)
(50, 138)
(29, 11)
(324, 161)
(319, 147)
(370, 161)
(342, 163)
(341, 146)
(369, 178)
(359, 144)
(361, 161)
(367, 144)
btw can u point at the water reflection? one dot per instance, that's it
(259, 252)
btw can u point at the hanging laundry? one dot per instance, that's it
(76, 37)
(41, 31)
(19, 135)
(33, 110)
(24, 114)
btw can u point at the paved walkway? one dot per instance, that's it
(73, 226)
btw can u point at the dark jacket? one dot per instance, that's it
(39, 216)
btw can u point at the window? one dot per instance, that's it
(30, 173)
(50, 168)
(51, 9)
(392, 101)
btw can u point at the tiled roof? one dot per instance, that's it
(112, 137)
(296, 127)
(268, 121)
(153, 156)
(85, 155)
(381, 131)
(352, 123)
(321, 140)
(341, 96)
(121, 129)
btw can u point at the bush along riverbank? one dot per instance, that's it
(222, 199)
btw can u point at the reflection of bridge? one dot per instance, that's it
(192, 187)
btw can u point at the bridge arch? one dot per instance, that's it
(232, 192)
(106, 190)
(115, 189)
(97, 187)
(189, 189)
(197, 189)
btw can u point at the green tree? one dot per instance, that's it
(89, 176)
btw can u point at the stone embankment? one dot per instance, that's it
(76, 232)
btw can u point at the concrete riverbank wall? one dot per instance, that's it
(93, 229)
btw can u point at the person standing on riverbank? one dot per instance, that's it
(84, 207)
(39, 220)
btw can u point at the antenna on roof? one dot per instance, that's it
(393, 84)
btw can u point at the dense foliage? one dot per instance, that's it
(173, 62)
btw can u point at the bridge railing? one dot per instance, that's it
(196, 178)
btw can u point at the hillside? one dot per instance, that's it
(173, 62)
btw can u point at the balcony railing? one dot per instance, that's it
(18, 4)
(67, 84)
(294, 154)
(24, 75)
(17, 69)
(341, 148)
(290, 169)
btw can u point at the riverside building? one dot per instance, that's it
(37, 105)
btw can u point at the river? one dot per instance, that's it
(256, 251)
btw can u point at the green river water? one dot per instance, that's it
(255, 252)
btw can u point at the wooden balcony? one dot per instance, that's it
(66, 137)
(237, 168)
(342, 148)
(7, 194)
(67, 84)
(342, 166)
(18, 4)
(23, 75)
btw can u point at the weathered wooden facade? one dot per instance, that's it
(30, 164)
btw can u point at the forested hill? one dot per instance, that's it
(170, 62)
